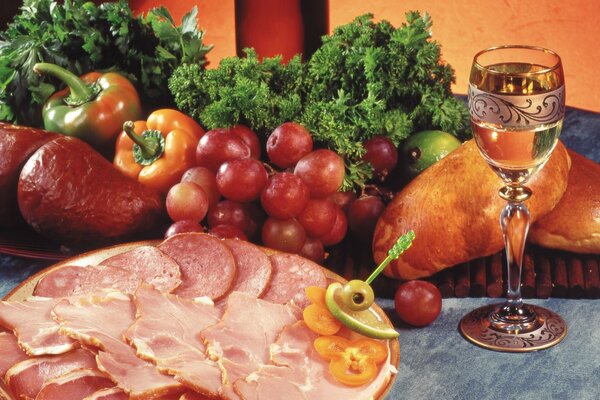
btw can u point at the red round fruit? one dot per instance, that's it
(318, 216)
(186, 200)
(183, 226)
(381, 154)
(343, 199)
(338, 231)
(245, 216)
(418, 303)
(218, 146)
(314, 250)
(285, 196)
(206, 179)
(242, 179)
(323, 172)
(283, 234)
(363, 215)
(288, 143)
(227, 232)
(249, 137)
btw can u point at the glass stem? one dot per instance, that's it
(514, 220)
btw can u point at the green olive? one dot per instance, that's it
(357, 295)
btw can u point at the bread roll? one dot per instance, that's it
(574, 224)
(454, 209)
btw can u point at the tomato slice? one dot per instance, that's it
(352, 363)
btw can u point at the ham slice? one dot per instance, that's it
(173, 343)
(5, 393)
(100, 320)
(291, 275)
(26, 378)
(113, 393)
(10, 352)
(207, 265)
(298, 372)
(240, 342)
(193, 396)
(74, 385)
(253, 267)
(32, 323)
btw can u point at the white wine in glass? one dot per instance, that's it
(517, 106)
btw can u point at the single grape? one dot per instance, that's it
(338, 230)
(363, 215)
(241, 179)
(283, 234)
(343, 199)
(318, 216)
(323, 172)
(183, 226)
(244, 216)
(186, 201)
(288, 143)
(225, 231)
(218, 146)
(206, 179)
(314, 250)
(249, 137)
(285, 195)
(381, 154)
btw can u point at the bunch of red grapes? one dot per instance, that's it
(290, 203)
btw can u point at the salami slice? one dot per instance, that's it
(253, 267)
(72, 280)
(291, 275)
(207, 265)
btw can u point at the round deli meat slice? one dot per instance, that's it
(254, 267)
(291, 275)
(207, 266)
(70, 280)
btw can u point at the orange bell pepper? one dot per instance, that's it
(352, 363)
(159, 150)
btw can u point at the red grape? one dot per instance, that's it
(244, 216)
(381, 154)
(283, 234)
(338, 230)
(285, 195)
(183, 226)
(343, 199)
(242, 179)
(418, 303)
(363, 215)
(323, 172)
(314, 250)
(204, 178)
(227, 232)
(218, 146)
(249, 137)
(318, 217)
(288, 143)
(186, 200)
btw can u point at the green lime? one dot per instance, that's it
(365, 322)
(426, 148)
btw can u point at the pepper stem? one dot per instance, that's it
(148, 146)
(81, 92)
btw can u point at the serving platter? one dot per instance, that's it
(26, 288)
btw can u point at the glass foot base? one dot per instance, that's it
(547, 330)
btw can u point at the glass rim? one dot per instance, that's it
(557, 64)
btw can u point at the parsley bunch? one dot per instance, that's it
(83, 37)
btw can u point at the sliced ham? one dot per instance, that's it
(240, 342)
(291, 275)
(298, 372)
(149, 265)
(253, 267)
(26, 378)
(193, 396)
(73, 280)
(206, 263)
(113, 393)
(173, 343)
(74, 385)
(100, 320)
(32, 323)
(10, 352)
(5, 393)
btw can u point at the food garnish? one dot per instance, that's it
(352, 363)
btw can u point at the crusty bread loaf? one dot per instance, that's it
(454, 209)
(574, 224)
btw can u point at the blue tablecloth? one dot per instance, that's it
(437, 363)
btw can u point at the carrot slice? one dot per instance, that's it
(320, 320)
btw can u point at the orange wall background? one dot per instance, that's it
(462, 27)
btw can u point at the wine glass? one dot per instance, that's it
(517, 105)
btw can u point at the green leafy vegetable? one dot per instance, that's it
(83, 37)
